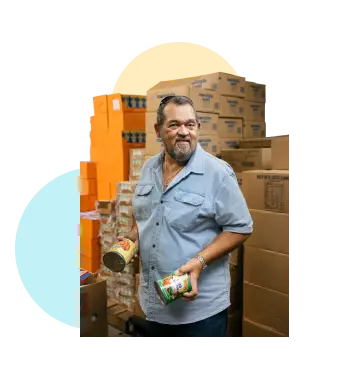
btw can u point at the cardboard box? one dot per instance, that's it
(85, 203)
(255, 92)
(253, 111)
(88, 186)
(230, 127)
(103, 190)
(209, 143)
(266, 190)
(266, 307)
(280, 152)
(88, 170)
(150, 120)
(266, 268)
(209, 123)
(90, 247)
(255, 142)
(93, 309)
(204, 100)
(253, 129)
(90, 264)
(270, 231)
(89, 227)
(227, 143)
(224, 83)
(100, 104)
(251, 329)
(153, 145)
(247, 159)
(231, 85)
(231, 107)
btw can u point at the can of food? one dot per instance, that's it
(171, 287)
(119, 255)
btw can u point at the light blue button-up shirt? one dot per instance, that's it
(176, 224)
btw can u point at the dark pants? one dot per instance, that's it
(214, 326)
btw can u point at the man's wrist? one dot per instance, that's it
(201, 261)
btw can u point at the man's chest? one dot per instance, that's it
(181, 204)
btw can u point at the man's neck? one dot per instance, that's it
(171, 164)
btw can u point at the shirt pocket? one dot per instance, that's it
(182, 213)
(142, 201)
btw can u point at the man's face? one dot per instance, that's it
(180, 132)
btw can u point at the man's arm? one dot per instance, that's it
(223, 244)
(232, 215)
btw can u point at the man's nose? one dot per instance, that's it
(183, 130)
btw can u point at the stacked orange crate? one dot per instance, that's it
(87, 185)
(117, 126)
(89, 244)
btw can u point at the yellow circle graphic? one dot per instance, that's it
(169, 61)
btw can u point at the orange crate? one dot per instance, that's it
(91, 265)
(103, 188)
(88, 170)
(88, 186)
(100, 104)
(90, 247)
(89, 228)
(84, 203)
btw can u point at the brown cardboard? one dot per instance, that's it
(253, 129)
(232, 107)
(270, 231)
(153, 144)
(227, 143)
(266, 307)
(255, 142)
(209, 123)
(255, 92)
(266, 268)
(266, 190)
(93, 309)
(230, 127)
(231, 85)
(247, 159)
(209, 143)
(251, 329)
(204, 100)
(223, 83)
(253, 111)
(150, 120)
(280, 152)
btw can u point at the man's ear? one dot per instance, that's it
(157, 130)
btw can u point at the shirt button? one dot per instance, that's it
(161, 201)
(157, 224)
(152, 267)
(153, 245)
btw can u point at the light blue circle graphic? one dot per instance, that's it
(46, 248)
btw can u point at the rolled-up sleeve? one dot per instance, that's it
(230, 208)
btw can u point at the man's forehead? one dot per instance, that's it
(181, 112)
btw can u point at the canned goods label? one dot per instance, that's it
(172, 287)
(119, 255)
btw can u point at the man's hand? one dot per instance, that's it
(134, 237)
(193, 267)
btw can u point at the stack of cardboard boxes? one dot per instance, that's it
(266, 269)
(87, 186)
(219, 99)
(117, 126)
(254, 125)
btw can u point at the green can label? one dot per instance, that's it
(172, 287)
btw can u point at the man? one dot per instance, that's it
(190, 213)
